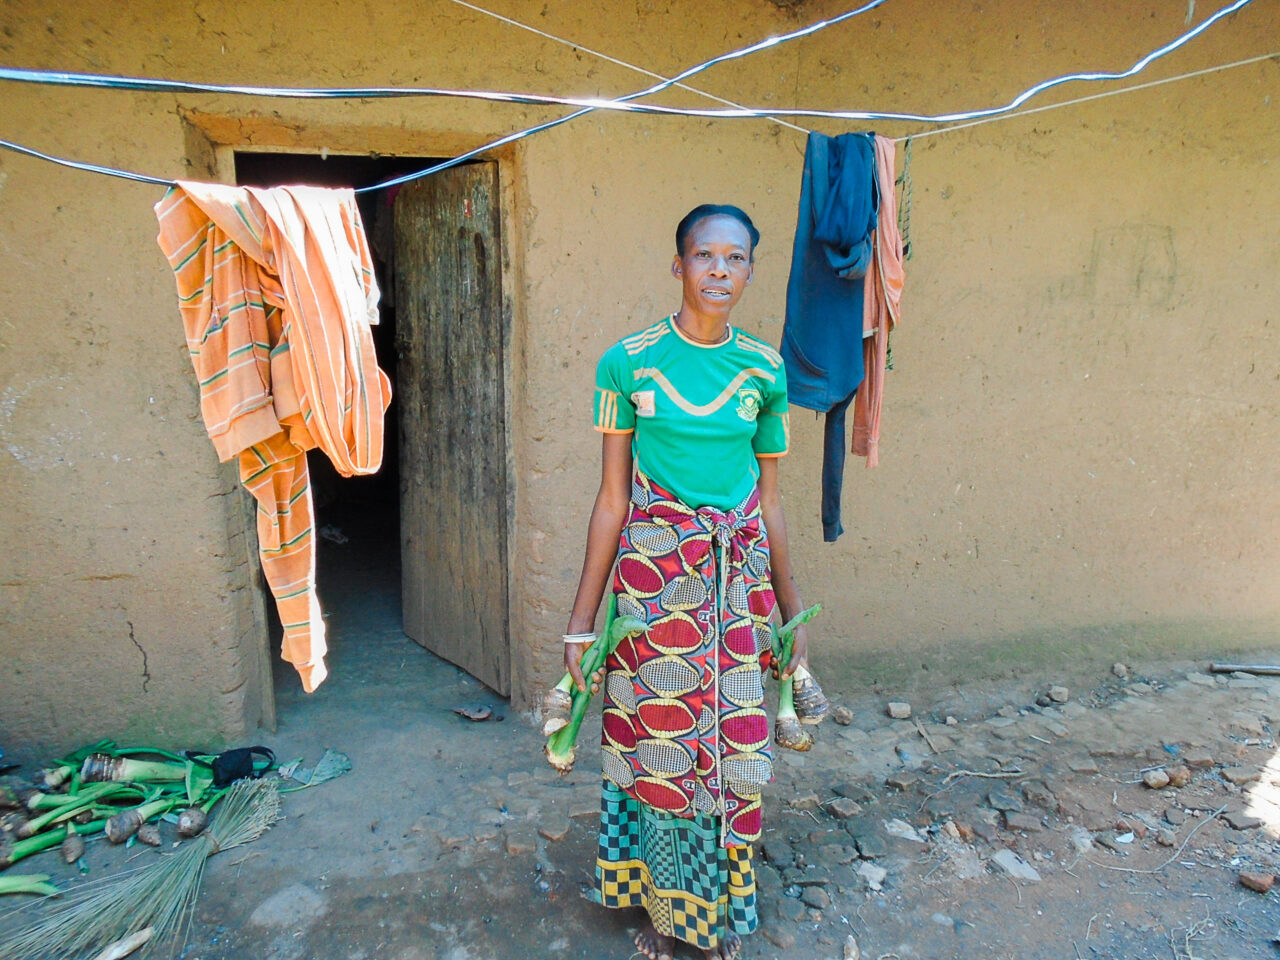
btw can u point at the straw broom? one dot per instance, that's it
(160, 896)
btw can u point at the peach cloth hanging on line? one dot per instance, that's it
(881, 294)
(277, 294)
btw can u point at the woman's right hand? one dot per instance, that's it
(573, 654)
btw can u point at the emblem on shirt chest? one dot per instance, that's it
(644, 402)
(748, 403)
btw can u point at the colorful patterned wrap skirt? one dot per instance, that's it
(685, 736)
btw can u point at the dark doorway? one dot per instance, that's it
(370, 528)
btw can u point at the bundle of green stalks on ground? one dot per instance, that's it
(102, 789)
(564, 706)
(801, 702)
(149, 904)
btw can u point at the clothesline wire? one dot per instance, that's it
(1093, 96)
(655, 88)
(616, 62)
(91, 80)
(624, 103)
(144, 178)
(87, 167)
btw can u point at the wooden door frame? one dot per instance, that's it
(213, 139)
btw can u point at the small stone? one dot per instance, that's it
(1142, 689)
(901, 781)
(805, 801)
(1003, 800)
(987, 831)
(1134, 826)
(1198, 758)
(1013, 865)
(520, 843)
(965, 832)
(844, 808)
(295, 907)
(1059, 694)
(842, 716)
(1081, 839)
(1179, 776)
(486, 832)
(1156, 779)
(836, 855)
(1239, 775)
(583, 809)
(778, 852)
(1239, 820)
(1086, 765)
(951, 830)
(898, 710)
(1175, 816)
(1043, 701)
(1258, 882)
(1107, 838)
(555, 830)
(902, 830)
(875, 876)
(780, 938)
(952, 721)
(454, 835)
(814, 877)
(1038, 793)
(851, 948)
(1202, 679)
(1022, 821)
(1166, 837)
(817, 898)
(855, 791)
(792, 910)
(871, 846)
(1120, 670)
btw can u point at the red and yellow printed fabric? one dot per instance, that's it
(684, 726)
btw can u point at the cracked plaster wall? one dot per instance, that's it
(1079, 438)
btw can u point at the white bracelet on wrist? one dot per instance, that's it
(579, 638)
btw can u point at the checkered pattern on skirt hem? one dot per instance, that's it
(674, 867)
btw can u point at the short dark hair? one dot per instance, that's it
(704, 210)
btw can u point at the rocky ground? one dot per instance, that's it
(1136, 819)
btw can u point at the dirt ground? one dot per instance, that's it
(452, 839)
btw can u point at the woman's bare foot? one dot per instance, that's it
(654, 945)
(729, 948)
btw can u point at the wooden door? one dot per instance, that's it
(454, 507)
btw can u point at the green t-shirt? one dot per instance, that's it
(700, 413)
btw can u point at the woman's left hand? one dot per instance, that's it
(799, 653)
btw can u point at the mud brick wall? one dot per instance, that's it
(1080, 438)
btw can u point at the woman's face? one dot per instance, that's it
(715, 265)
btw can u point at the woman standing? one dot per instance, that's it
(694, 417)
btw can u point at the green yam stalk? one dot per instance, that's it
(561, 748)
(11, 852)
(37, 883)
(101, 767)
(60, 807)
(789, 728)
